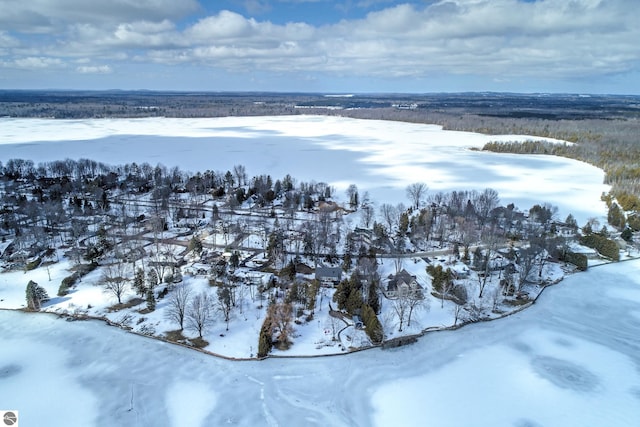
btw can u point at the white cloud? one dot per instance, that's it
(40, 16)
(94, 69)
(7, 41)
(34, 63)
(225, 25)
(495, 38)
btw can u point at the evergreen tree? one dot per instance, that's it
(151, 300)
(152, 279)
(104, 244)
(616, 216)
(35, 294)
(571, 222)
(138, 282)
(354, 301)
(440, 278)
(373, 299)
(341, 294)
(346, 262)
(466, 257)
(477, 258)
(195, 245)
(373, 327)
(265, 340)
(234, 260)
(403, 225)
(289, 271)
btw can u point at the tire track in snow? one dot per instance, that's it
(271, 421)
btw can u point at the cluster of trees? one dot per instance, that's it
(605, 246)
(579, 260)
(276, 328)
(359, 295)
(617, 217)
(61, 200)
(609, 145)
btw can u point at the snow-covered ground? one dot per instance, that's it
(381, 157)
(571, 359)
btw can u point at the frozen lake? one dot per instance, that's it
(381, 157)
(571, 359)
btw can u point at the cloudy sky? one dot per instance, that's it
(584, 46)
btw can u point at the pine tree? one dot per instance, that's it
(151, 300)
(265, 340)
(616, 216)
(571, 222)
(152, 278)
(35, 294)
(373, 299)
(195, 245)
(346, 262)
(373, 327)
(138, 282)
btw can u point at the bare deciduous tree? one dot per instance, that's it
(416, 192)
(526, 262)
(485, 203)
(390, 215)
(400, 307)
(352, 194)
(241, 174)
(177, 304)
(199, 315)
(114, 280)
(367, 214)
(417, 302)
(281, 315)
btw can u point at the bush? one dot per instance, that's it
(66, 283)
(606, 247)
(627, 235)
(579, 260)
(32, 265)
(634, 222)
(460, 294)
(69, 281)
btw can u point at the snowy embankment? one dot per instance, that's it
(380, 157)
(571, 359)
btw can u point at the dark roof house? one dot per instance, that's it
(328, 274)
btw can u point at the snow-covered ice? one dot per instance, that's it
(571, 359)
(381, 157)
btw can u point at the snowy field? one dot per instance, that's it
(381, 157)
(571, 359)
